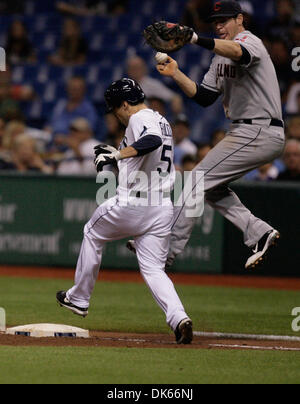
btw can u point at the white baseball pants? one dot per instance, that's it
(151, 228)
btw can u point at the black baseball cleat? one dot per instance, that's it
(131, 246)
(169, 262)
(262, 248)
(184, 331)
(62, 300)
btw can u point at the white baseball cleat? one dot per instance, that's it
(261, 249)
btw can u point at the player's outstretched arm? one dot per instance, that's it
(168, 37)
(222, 47)
(228, 49)
(170, 68)
(198, 93)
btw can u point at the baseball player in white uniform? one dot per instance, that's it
(147, 148)
(243, 73)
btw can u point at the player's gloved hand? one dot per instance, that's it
(104, 159)
(104, 149)
(167, 37)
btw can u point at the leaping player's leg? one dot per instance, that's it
(229, 205)
(229, 160)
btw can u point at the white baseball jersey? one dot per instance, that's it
(252, 91)
(154, 172)
(149, 225)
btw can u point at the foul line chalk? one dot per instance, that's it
(262, 348)
(247, 336)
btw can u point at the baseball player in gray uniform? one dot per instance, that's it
(147, 148)
(243, 73)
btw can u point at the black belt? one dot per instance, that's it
(144, 195)
(274, 122)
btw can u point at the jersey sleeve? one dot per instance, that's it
(210, 79)
(142, 127)
(252, 44)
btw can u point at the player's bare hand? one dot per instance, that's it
(168, 68)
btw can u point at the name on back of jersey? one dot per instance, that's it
(165, 129)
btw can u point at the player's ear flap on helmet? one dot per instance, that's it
(123, 90)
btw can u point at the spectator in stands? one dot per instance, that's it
(79, 158)
(14, 128)
(75, 106)
(2, 127)
(73, 49)
(188, 162)
(5, 163)
(153, 88)
(183, 145)
(18, 46)
(217, 136)
(267, 172)
(202, 151)
(157, 104)
(280, 26)
(249, 21)
(295, 34)
(281, 58)
(9, 108)
(293, 128)
(18, 92)
(297, 9)
(12, 7)
(115, 130)
(5, 159)
(292, 103)
(291, 158)
(25, 157)
(195, 14)
(11, 130)
(94, 7)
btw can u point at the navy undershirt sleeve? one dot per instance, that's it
(205, 97)
(147, 144)
(246, 57)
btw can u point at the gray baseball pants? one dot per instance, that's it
(244, 148)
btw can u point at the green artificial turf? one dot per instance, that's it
(136, 366)
(129, 307)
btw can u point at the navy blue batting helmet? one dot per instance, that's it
(123, 90)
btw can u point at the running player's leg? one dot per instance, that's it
(152, 252)
(96, 232)
(87, 270)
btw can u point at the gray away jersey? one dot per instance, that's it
(250, 91)
(156, 171)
